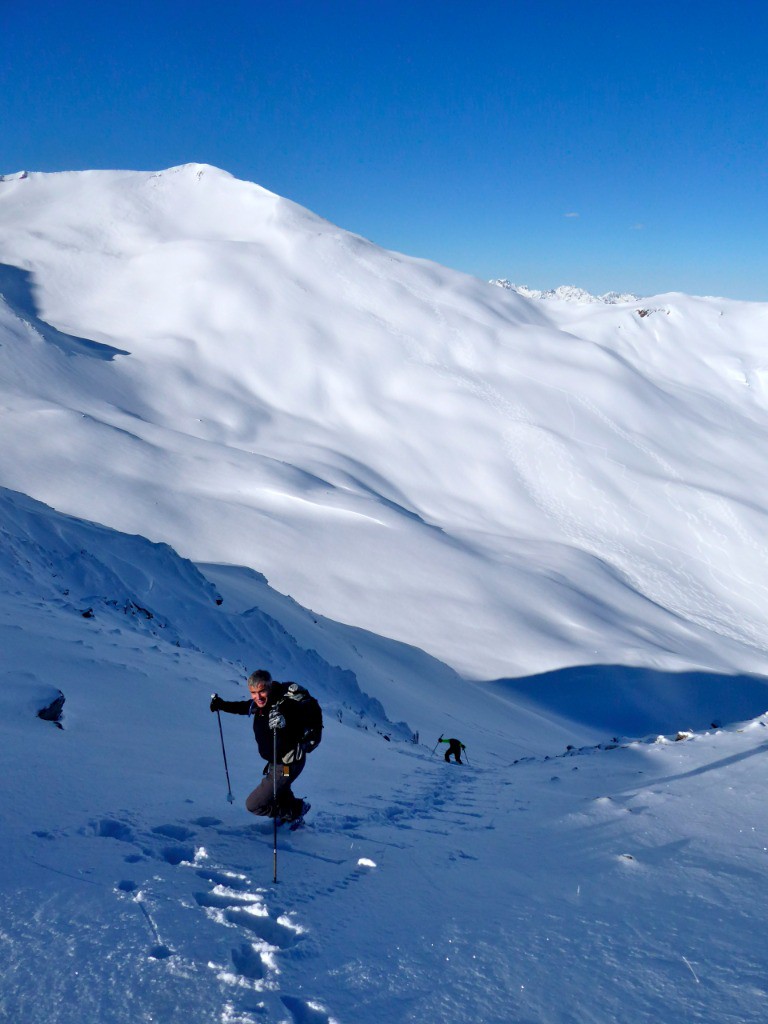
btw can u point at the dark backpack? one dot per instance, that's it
(311, 715)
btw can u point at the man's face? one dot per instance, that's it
(260, 694)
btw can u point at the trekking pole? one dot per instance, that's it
(274, 804)
(464, 752)
(224, 752)
(436, 746)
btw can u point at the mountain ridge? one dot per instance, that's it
(566, 293)
(395, 444)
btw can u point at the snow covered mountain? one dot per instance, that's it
(236, 436)
(511, 485)
(567, 293)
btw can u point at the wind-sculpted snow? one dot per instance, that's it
(250, 424)
(510, 484)
(60, 567)
(16, 292)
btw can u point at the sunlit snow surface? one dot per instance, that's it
(513, 485)
(567, 498)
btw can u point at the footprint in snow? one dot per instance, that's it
(248, 962)
(249, 911)
(250, 976)
(178, 855)
(232, 879)
(306, 1011)
(179, 832)
(110, 828)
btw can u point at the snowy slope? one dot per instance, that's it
(266, 442)
(537, 883)
(512, 485)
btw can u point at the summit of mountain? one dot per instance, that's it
(510, 484)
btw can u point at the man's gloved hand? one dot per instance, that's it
(276, 720)
(216, 702)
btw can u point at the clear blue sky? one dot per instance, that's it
(611, 145)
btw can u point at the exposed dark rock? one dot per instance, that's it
(52, 712)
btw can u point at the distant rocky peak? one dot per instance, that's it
(566, 293)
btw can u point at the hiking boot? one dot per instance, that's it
(298, 821)
(297, 814)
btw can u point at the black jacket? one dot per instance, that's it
(288, 738)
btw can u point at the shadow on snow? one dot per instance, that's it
(16, 287)
(628, 701)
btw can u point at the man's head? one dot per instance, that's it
(260, 683)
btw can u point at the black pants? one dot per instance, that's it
(455, 749)
(261, 800)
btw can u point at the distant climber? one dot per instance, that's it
(455, 747)
(285, 716)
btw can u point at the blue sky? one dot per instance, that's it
(604, 144)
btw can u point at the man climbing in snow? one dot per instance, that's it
(287, 720)
(455, 747)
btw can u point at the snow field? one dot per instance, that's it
(195, 359)
(533, 884)
(575, 887)
(442, 483)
